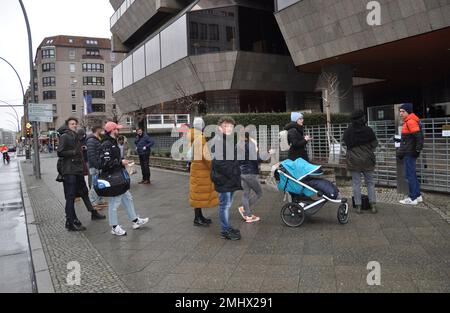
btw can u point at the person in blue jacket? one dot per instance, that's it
(143, 145)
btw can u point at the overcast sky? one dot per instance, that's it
(47, 18)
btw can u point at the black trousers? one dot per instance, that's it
(144, 160)
(75, 186)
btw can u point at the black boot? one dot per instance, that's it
(199, 219)
(204, 219)
(77, 222)
(97, 216)
(74, 227)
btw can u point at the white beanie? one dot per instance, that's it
(199, 124)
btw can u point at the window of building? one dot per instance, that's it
(97, 94)
(72, 67)
(48, 81)
(36, 99)
(113, 57)
(114, 106)
(35, 87)
(73, 94)
(70, 40)
(55, 110)
(49, 95)
(74, 108)
(203, 31)
(129, 121)
(93, 52)
(193, 30)
(72, 54)
(93, 81)
(92, 42)
(154, 119)
(98, 107)
(93, 67)
(48, 67)
(48, 53)
(213, 30)
(230, 33)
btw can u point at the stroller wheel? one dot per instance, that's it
(342, 214)
(292, 214)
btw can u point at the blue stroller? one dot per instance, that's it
(300, 179)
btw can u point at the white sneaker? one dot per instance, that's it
(420, 199)
(408, 201)
(118, 231)
(140, 222)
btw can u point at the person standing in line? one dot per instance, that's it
(248, 149)
(124, 148)
(110, 162)
(143, 145)
(296, 137)
(411, 146)
(226, 174)
(201, 188)
(70, 166)
(361, 143)
(93, 143)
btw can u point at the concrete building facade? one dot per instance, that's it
(272, 56)
(68, 68)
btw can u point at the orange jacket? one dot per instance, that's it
(411, 124)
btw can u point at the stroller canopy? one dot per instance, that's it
(298, 169)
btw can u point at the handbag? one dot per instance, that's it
(111, 184)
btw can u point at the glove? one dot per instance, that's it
(416, 154)
(400, 156)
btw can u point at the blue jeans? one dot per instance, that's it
(95, 199)
(113, 205)
(225, 200)
(411, 177)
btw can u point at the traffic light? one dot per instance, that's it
(29, 133)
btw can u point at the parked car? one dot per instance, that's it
(12, 149)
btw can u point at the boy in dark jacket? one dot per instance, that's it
(226, 174)
(361, 143)
(143, 145)
(296, 137)
(93, 157)
(111, 161)
(70, 166)
(410, 147)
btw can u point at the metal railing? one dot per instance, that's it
(433, 166)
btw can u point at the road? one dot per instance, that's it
(16, 273)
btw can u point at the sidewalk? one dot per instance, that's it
(171, 255)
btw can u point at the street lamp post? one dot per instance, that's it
(24, 104)
(37, 165)
(17, 116)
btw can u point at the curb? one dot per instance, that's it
(41, 271)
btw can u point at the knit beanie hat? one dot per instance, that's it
(408, 107)
(295, 116)
(358, 114)
(199, 124)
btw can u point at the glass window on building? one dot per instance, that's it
(93, 52)
(72, 67)
(98, 107)
(74, 108)
(48, 67)
(73, 94)
(154, 119)
(48, 81)
(93, 81)
(49, 95)
(169, 119)
(95, 94)
(212, 30)
(48, 53)
(71, 54)
(54, 109)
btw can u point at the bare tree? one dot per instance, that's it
(330, 85)
(189, 102)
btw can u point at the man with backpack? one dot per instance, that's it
(112, 163)
(410, 147)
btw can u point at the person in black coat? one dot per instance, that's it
(93, 143)
(361, 143)
(143, 145)
(70, 167)
(296, 137)
(226, 174)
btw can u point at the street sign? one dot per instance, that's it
(40, 112)
(446, 131)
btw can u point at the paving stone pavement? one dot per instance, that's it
(171, 255)
(62, 247)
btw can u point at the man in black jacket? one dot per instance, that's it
(226, 174)
(110, 162)
(70, 166)
(143, 145)
(93, 157)
(296, 137)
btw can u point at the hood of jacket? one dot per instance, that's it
(64, 129)
(292, 125)
(412, 117)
